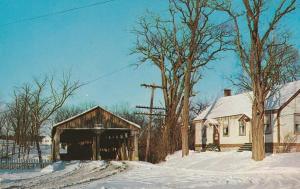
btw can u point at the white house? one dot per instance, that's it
(47, 140)
(227, 121)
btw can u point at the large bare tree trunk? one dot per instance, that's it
(186, 111)
(170, 139)
(267, 62)
(166, 137)
(258, 143)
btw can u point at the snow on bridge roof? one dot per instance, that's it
(241, 103)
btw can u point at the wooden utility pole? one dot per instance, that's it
(150, 114)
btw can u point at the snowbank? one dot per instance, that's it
(59, 174)
(209, 170)
(61, 166)
(198, 170)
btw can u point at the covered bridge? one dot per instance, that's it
(93, 135)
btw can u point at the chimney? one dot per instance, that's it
(227, 92)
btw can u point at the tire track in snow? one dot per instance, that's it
(85, 173)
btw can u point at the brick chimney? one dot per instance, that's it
(227, 92)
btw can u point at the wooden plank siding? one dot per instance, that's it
(92, 119)
(96, 116)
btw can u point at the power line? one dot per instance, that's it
(96, 79)
(107, 74)
(147, 107)
(152, 114)
(56, 13)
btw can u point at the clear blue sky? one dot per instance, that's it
(91, 42)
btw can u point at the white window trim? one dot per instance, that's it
(244, 123)
(228, 133)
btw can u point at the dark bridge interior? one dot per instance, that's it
(95, 143)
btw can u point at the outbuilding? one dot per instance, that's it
(93, 135)
(46, 140)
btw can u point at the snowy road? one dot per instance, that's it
(199, 170)
(75, 173)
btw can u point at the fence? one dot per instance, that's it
(23, 164)
(6, 149)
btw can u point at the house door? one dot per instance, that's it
(250, 135)
(204, 136)
(216, 135)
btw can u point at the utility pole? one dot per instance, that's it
(150, 114)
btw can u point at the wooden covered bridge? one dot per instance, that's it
(93, 135)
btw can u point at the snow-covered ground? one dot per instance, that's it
(61, 174)
(198, 170)
(46, 150)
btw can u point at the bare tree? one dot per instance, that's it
(156, 140)
(180, 46)
(267, 59)
(34, 105)
(197, 106)
(155, 40)
(6, 133)
(19, 118)
(45, 103)
(2, 133)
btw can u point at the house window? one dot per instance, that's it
(267, 124)
(297, 124)
(226, 127)
(297, 129)
(242, 128)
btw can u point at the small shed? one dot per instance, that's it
(46, 140)
(93, 135)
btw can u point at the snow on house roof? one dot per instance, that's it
(282, 95)
(211, 122)
(96, 107)
(227, 106)
(241, 103)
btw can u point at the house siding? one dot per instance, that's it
(287, 119)
(233, 137)
(287, 127)
(272, 137)
(232, 140)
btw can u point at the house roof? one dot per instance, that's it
(94, 108)
(242, 103)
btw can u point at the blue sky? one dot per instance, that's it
(92, 42)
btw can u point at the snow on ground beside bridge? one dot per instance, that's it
(46, 150)
(10, 176)
(198, 170)
(209, 170)
(60, 174)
